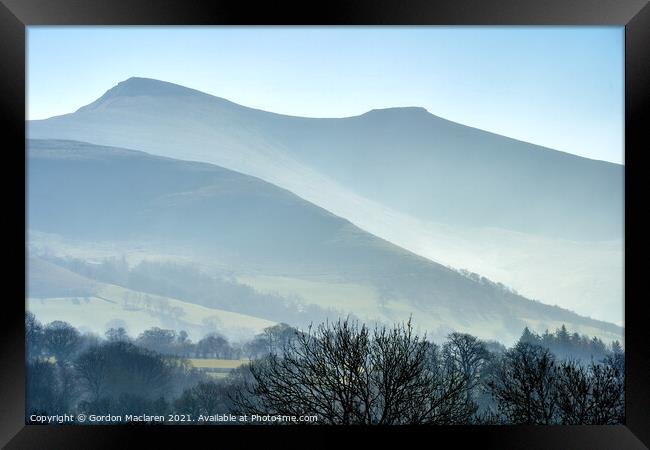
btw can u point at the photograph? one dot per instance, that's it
(325, 225)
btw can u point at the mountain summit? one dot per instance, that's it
(148, 87)
(137, 86)
(400, 110)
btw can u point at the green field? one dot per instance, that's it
(217, 368)
(211, 363)
(139, 311)
(345, 296)
(364, 300)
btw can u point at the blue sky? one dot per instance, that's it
(561, 87)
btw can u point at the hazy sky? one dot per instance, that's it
(561, 87)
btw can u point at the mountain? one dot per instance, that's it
(457, 174)
(88, 193)
(548, 223)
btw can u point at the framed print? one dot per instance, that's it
(326, 222)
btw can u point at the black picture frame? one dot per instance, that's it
(15, 15)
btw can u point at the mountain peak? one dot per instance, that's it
(138, 86)
(399, 111)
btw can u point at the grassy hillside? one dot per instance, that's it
(368, 303)
(47, 279)
(104, 194)
(111, 306)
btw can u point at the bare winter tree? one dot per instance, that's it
(158, 340)
(33, 336)
(278, 337)
(608, 395)
(116, 335)
(346, 374)
(92, 368)
(213, 346)
(207, 397)
(61, 340)
(42, 391)
(523, 385)
(467, 354)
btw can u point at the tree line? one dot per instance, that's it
(345, 372)
(571, 345)
(188, 282)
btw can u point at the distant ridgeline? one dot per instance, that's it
(404, 158)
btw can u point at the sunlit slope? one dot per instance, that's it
(107, 194)
(45, 279)
(437, 321)
(109, 305)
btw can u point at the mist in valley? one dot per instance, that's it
(204, 247)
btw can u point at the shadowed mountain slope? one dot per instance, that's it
(96, 193)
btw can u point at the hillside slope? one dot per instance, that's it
(95, 193)
(107, 305)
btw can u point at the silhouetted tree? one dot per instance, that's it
(348, 375)
(574, 389)
(256, 348)
(608, 395)
(565, 345)
(213, 346)
(184, 345)
(278, 337)
(116, 335)
(158, 340)
(589, 395)
(617, 361)
(467, 354)
(119, 367)
(523, 385)
(92, 368)
(207, 398)
(42, 394)
(528, 337)
(61, 340)
(33, 336)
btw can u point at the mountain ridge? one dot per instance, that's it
(144, 86)
(448, 164)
